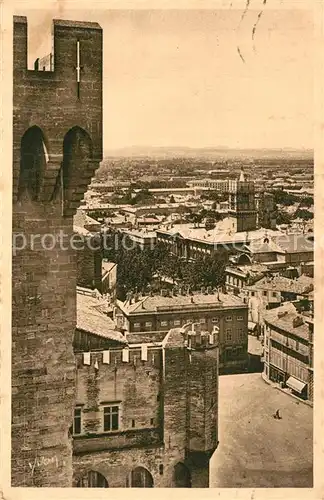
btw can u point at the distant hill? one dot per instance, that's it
(208, 153)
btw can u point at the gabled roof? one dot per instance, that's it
(92, 318)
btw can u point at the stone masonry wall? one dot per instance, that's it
(46, 106)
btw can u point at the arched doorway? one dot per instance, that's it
(181, 476)
(140, 478)
(33, 158)
(92, 479)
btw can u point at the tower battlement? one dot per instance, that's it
(58, 101)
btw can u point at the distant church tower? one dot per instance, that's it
(242, 203)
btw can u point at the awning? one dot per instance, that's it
(295, 384)
(251, 325)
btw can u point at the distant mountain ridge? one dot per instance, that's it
(211, 152)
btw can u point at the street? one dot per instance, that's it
(255, 450)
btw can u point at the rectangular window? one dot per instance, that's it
(228, 318)
(202, 320)
(177, 322)
(111, 418)
(229, 334)
(77, 421)
(239, 318)
(252, 294)
(148, 324)
(137, 325)
(240, 333)
(215, 320)
(274, 294)
(164, 323)
(265, 293)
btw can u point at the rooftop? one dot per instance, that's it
(158, 303)
(283, 318)
(138, 233)
(225, 231)
(81, 230)
(81, 219)
(76, 24)
(251, 270)
(297, 242)
(92, 317)
(302, 285)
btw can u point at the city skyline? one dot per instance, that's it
(178, 78)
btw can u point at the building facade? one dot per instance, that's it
(160, 313)
(57, 145)
(288, 350)
(146, 413)
(265, 207)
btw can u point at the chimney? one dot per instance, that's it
(298, 322)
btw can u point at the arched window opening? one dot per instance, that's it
(77, 152)
(93, 479)
(141, 478)
(33, 158)
(244, 259)
(182, 477)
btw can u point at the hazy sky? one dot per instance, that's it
(176, 78)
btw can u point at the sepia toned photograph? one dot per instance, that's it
(162, 319)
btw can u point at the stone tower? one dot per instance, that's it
(57, 145)
(191, 404)
(242, 203)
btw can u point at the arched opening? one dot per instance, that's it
(244, 259)
(77, 151)
(33, 159)
(92, 479)
(182, 476)
(140, 478)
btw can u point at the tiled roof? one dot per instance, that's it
(91, 318)
(301, 285)
(285, 322)
(159, 303)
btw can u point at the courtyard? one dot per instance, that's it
(255, 450)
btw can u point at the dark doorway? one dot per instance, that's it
(92, 479)
(182, 477)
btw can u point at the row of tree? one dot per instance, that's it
(145, 270)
